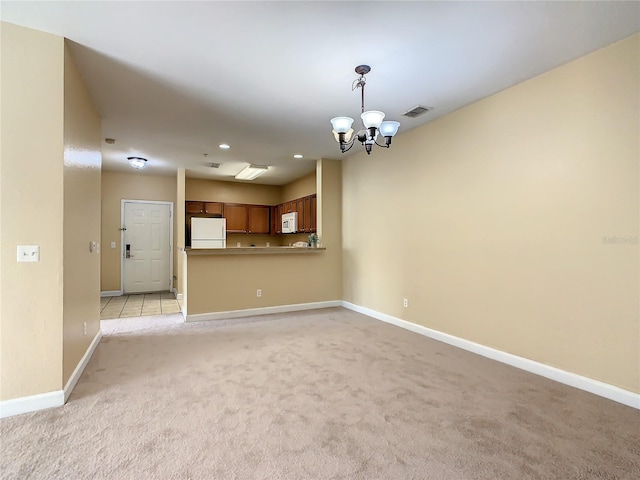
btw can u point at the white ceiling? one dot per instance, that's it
(173, 80)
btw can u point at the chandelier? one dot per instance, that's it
(371, 120)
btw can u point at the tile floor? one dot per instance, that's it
(138, 305)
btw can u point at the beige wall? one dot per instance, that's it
(31, 188)
(231, 192)
(179, 232)
(491, 220)
(329, 216)
(82, 164)
(299, 188)
(137, 185)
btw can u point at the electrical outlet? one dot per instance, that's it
(405, 302)
(258, 293)
(84, 328)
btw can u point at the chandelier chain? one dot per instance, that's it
(360, 83)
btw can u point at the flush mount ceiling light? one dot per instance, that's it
(298, 155)
(137, 162)
(224, 146)
(372, 121)
(251, 171)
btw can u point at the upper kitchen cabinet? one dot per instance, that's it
(313, 221)
(275, 220)
(259, 219)
(214, 208)
(194, 207)
(306, 216)
(207, 208)
(237, 216)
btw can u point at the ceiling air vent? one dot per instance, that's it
(213, 165)
(416, 111)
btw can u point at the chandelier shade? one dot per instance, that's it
(389, 128)
(346, 136)
(341, 124)
(372, 120)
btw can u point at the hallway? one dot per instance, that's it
(138, 305)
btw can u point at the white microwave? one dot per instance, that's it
(290, 222)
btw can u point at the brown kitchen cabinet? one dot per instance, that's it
(254, 219)
(313, 221)
(214, 208)
(237, 216)
(259, 219)
(209, 208)
(194, 207)
(306, 220)
(306, 208)
(276, 220)
(300, 209)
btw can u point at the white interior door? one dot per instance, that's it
(147, 247)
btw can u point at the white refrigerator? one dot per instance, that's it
(208, 232)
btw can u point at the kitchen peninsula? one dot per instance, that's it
(253, 250)
(222, 282)
(248, 280)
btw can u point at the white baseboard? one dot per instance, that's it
(111, 293)
(199, 317)
(32, 403)
(179, 296)
(75, 376)
(596, 387)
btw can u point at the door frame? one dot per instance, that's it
(155, 202)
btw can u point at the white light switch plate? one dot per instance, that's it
(113, 244)
(28, 253)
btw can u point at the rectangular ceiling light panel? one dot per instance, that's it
(252, 171)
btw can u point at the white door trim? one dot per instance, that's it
(171, 246)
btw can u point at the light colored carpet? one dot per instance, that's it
(324, 394)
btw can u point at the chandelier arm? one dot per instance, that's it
(350, 145)
(380, 145)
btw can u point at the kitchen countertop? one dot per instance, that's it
(253, 250)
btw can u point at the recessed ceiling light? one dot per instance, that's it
(224, 146)
(297, 155)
